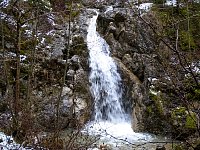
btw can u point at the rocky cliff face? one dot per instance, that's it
(76, 104)
(147, 66)
(49, 64)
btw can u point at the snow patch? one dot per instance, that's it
(109, 8)
(22, 57)
(154, 92)
(145, 6)
(8, 18)
(51, 19)
(195, 67)
(4, 3)
(51, 33)
(7, 143)
(171, 2)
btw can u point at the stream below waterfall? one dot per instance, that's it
(110, 121)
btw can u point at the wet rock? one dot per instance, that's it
(134, 96)
(128, 37)
(135, 64)
(159, 147)
(186, 122)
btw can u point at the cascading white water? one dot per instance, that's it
(104, 78)
(110, 119)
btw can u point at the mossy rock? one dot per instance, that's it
(157, 99)
(184, 122)
(79, 46)
(194, 95)
(178, 116)
(156, 120)
(178, 111)
(178, 147)
(191, 121)
(149, 109)
(181, 117)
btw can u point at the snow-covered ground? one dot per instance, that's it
(145, 6)
(7, 143)
(109, 8)
(171, 2)
(196, 67)
(4, 3)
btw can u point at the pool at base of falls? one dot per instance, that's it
(116, 132)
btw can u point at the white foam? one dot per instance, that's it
(116, 132)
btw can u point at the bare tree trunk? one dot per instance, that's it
(64, 77)
(4, 58)
(16, 101)
(177, 34)
(17, 79)
(28, 107)
(188, 25)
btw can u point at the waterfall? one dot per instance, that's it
(104, 78)
(110, 119)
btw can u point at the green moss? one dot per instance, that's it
(179, 111)
(186, 38)
(191, 120)
(78, 47)
(182, 118)
(149, 109)
(194, 94)
(197, 91)
(75, 14)
(158, 102)
(178, 115)
(178, 147)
